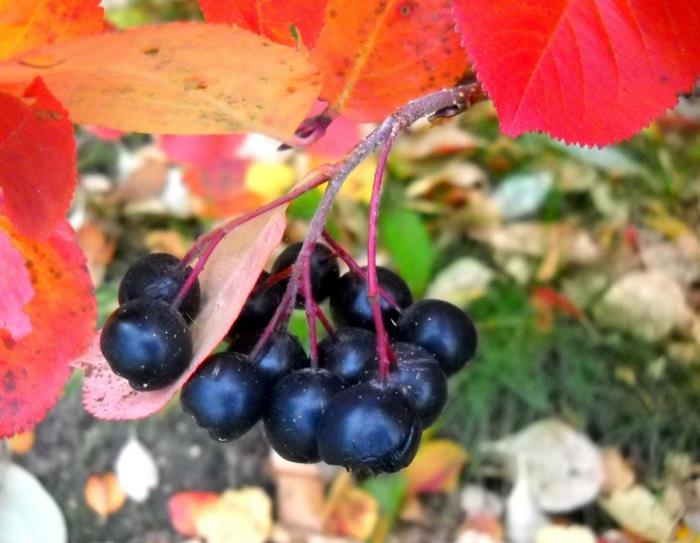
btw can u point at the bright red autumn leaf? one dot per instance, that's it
(270, 18)
(37, 160)
(58, 303)
(27, 24)
(375, 55)
(185, 78)
(226, 281)
(586, 71)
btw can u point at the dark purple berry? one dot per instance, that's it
(369, 429)
(226, 395)
(351, 353)
(160, 276)
(442, 329)
(257, 312)
(324, 270)
(296, 404)
(420, 377)
(350, 305)
(280, 355)
(148, 343)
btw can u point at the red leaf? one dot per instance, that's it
(270, 18)
(60, 307)
(341, 136)
(185, 507)
(202, 151)
(587, 71)
(375, 55)
(37, 159)
(226, 281)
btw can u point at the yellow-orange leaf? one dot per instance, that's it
(27, 24)
(185, 78)
(103, 494)
(378, 54)
(436, 467)
(22, 443)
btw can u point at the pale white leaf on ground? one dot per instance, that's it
(136, 470)
(522, 195)
(28, 514)
(462, 281)
(563, 466)
(553, 533)
(647, 304)
(477, 500)
(524, 517)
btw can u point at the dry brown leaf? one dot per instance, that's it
(238, 516)
(300, 494)
(103, 494)
(436, 467)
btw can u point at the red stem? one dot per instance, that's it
(324, 321)
(384, 351)
(309, 307)
(351, 263)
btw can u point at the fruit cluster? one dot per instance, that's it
(340, 409)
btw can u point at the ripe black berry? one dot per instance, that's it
(159, 277)
(226, 395)
(350, 306)
(324, 270)
(281, 355)
(369, 428)
(419, 376)
(257, 312)
(351, 353)
(147, 342)
(442, 329)
(297, 402)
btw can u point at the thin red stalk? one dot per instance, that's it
(351, 263)
(276, 278)
(324, 321)
(386, 355)
(463, 96)
(199, 266)
(309, 308)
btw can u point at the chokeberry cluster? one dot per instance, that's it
(339, 405)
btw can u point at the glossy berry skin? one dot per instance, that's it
(369, 429)
(296, 404)
(442, 329)
(350, 305)
(226, 395)
(420, 377)
(147, 342)
(257, 311)
(281, 355)
(158, 277)
(324, 270)
(351, 354)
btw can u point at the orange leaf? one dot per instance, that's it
(376, 54)
(22, 443)
(27, 24)
(186, 78)
(60, 311)
(436, 467)
(354, 513)
(270, 18)
(185, 507)
(37, 160)
(226, 281)
(103, 494)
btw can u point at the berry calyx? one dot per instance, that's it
(442, 329)
(324, 270)
(160, 276)
(420, 377)
(147, 342)
(226, 395)
(350, 305)
(369, 429)
(297, 402)
(280, 355)
(351, 354)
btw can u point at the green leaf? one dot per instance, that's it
(404, 234)
(390, 491)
